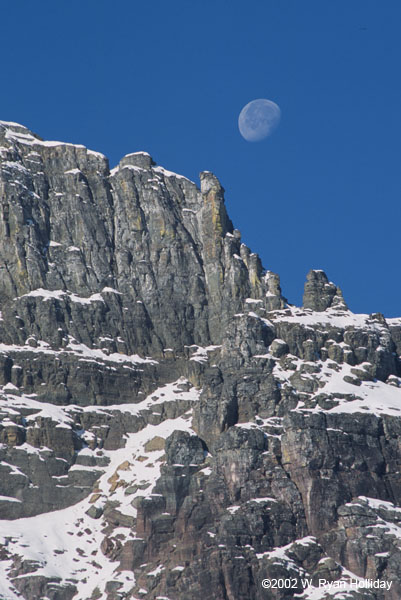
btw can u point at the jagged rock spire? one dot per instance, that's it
(320, 293)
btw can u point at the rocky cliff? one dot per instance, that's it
(171, 428)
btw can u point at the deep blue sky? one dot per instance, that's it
(324, 191)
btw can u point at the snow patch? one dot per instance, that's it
(167, 173)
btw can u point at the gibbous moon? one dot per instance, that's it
(258, 119)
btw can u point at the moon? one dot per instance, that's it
(258, 119)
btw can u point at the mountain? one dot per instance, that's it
(171, 427)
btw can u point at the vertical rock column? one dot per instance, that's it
(320, 293)
(215, 223)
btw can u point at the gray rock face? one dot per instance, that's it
(184, 449)
(169, 426)
(320, 293)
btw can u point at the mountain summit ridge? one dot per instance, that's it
(170, 426)
(142, 218)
